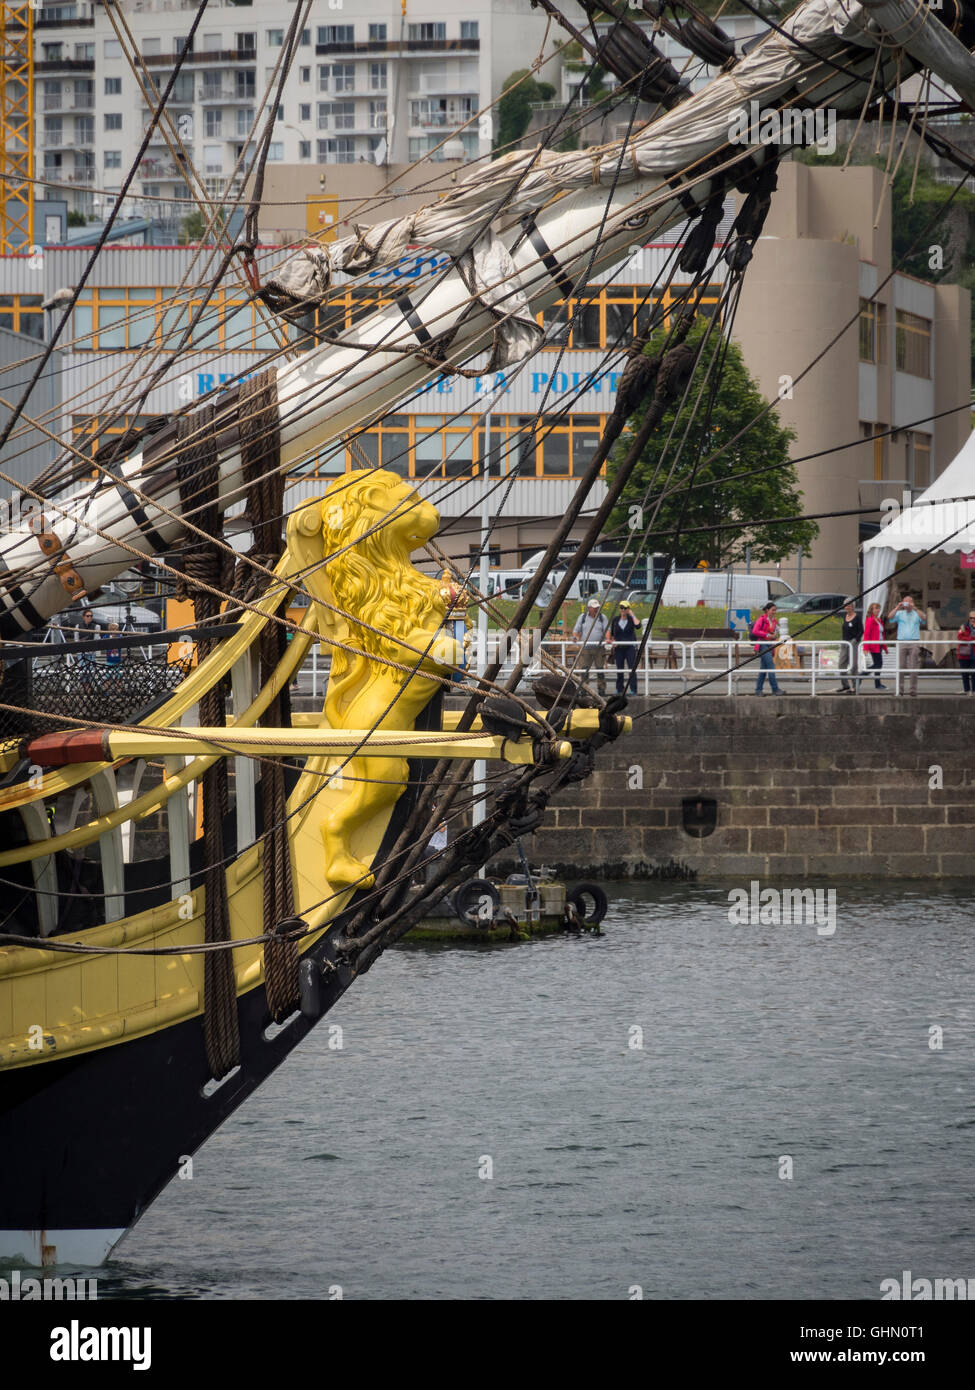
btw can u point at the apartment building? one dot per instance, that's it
(379, 80)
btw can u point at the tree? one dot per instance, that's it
(716, 496)
(77, 219)
(514, 107)
(193, 227)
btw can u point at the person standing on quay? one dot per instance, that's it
(622, 632)
(591, 629)
(874, 644)
(852, 632)
(966, 654)
(765, 630)
(908, 621)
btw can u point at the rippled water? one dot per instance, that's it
(612, 1166)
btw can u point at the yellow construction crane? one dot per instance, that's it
(16, 128)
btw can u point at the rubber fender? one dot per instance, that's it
(476, 902)
(590, 903)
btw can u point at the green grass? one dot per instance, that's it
(827, 630)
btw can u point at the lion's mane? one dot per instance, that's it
(373, 579)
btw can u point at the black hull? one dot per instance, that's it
(102, 1134)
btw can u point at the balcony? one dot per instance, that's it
(82, 21)
(440, 120)
(213, 56)
(79, 176)
(394, 47)
(52, 140)
(159, 171)
(64, 65)
(228, 96)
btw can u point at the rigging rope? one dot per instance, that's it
(199, 464)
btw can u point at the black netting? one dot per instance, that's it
(48, 688)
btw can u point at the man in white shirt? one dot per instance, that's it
(908, 621)
(591, 629)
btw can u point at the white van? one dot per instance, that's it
(716, 589)
(503, 583)
(585, 585)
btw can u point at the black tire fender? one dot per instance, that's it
(477, 901)
(590, 903)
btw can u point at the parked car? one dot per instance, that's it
(616, 592)
(810, 603)
(718, 589)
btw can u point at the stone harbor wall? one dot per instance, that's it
(866, 785)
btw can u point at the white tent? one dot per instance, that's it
(940, 523)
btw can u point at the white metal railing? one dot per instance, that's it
(729, 666)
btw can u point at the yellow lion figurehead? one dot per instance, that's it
(371, 522)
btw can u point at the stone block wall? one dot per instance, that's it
(832, 786)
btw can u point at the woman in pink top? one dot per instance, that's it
(873, 642)
(765, 630)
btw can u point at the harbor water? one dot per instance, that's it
(685, 1107)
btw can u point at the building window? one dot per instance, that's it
(441, 111)
(425, 32)
(868, 330)
(336, 77)
(377, 77)
(304, 111)
(913, 344)
(304, 149)
(113, 120)
(468, 28)
(340, 151)
(211, 124)
(245, 43)
(304, 74)
(876, 433)
(275, 38)
(450, 446)
(377, 114)
(113, 49)
(305, 38)
(113, 86)
(919, 460)
(610, 318)
(377, 33)
(120, 318)
(275, 150)
(213, 159)
(336, 115)
(113, 159)
(22, 313)
(335, 33)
